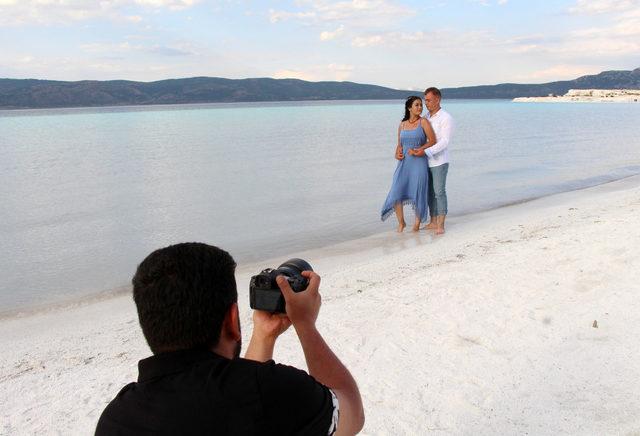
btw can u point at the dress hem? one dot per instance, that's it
(408, 202)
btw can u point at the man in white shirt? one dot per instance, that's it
(438, 158)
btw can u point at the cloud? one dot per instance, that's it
(440, 40)
(601, 47)
(621, 25)
(175, 5)
(618, 35)
(389, 39)
(293, 74)
(357, 10)
(315, 73)
(327, 35)
(171, 50)
(277, 16)
(368, 41)
(340, 72)
(52, 12)
(133, 62)
(352, 12)
(109, 49)
(99, 48)
(628, 24)
(488, 3)
(592, 7)
(34, 12)
(560, 72)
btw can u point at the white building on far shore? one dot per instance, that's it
(588, 95)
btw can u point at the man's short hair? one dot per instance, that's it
(182, 293)
(435, 91)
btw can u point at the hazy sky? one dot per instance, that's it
(406, 44)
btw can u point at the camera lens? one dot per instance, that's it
(293, 267)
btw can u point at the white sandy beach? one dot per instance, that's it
(487, 330)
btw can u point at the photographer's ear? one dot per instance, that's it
(231, 324)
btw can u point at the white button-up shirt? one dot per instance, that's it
(442, 124)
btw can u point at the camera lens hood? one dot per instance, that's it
(296, 265)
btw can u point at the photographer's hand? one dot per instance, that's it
(266, 329)
(302, 309)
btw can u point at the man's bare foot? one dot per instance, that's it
(439, 231)
(401, 227)
(431, 226)
(416, 227)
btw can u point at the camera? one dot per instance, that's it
(264, 293)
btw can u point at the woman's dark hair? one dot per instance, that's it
(182, 293)
(408, 104)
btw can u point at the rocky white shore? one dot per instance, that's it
(587, 96)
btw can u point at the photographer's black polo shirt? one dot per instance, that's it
(198, 392)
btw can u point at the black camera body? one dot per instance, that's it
(264, 293)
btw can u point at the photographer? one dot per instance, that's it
(195, 383)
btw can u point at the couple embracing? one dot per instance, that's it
(423, 162)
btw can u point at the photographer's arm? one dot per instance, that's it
(324, 366)
(266, 329)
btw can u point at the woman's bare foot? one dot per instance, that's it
(401, 226)
(431, 226)
(416, 224)
(439, 231)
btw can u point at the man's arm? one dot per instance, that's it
(443, 139)
(266, 329)
(302, 309)
(431, 137)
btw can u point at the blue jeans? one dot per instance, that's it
(437, 194)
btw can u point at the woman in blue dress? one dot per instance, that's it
(412, 173)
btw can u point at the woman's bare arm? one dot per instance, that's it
(399, 155)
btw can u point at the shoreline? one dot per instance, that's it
(251, 268)
(489, 329)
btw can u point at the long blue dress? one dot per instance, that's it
(410, 179)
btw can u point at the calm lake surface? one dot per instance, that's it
(86, 194)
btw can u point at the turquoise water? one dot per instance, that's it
(87, 193)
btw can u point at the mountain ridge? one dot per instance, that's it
(37, 93)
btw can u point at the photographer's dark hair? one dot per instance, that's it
(408, 104)
(435, 91)
(182, 293)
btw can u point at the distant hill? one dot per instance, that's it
(31, 93)
(604, 80)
